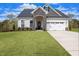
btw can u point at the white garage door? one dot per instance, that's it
(55, 26)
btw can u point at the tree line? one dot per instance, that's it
(74, 23)
(8, 24)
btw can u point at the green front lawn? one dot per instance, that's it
(75, 29)
(29, 43)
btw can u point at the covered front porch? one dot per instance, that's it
(39, 23)
(39, 19)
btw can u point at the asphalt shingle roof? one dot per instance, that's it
(26, 13)
(51, 13)
(63, 15)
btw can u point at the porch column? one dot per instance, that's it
(44, 23)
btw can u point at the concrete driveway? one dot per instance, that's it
(69, 40)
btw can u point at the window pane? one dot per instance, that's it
(22, 23)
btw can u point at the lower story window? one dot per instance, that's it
(22, 23)
(31, 23)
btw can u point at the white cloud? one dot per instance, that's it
(74, 12)
(27, 5)
(61, 8)
(6, 13)
(21, 7)
(77, 17)
(18, 9)
(7, 9)
(69, 10)
(2, 19)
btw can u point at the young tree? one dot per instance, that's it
(9, 24)
(0, 26)
(12, 22)
(71, 15)
(70, 21)
(5, 25)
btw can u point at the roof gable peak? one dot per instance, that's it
(38, 9)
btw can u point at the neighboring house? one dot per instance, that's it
(43, 18)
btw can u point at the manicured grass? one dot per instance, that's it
(29, 43)
(75, 29)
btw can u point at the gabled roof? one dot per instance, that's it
(50, 12)
(54, 12)
(63, 15)
(26, 13)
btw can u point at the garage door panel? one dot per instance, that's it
(57, 26)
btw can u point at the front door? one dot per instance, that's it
(38, 25)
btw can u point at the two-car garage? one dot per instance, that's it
(56, 25)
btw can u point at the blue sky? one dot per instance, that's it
(16, 8)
